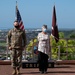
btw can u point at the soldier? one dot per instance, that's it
(16, 44)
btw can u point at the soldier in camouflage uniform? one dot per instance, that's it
(16, 44)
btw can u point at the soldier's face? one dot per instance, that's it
(16, 24)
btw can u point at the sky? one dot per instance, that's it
(35, 13)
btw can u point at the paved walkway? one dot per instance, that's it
(58, 70)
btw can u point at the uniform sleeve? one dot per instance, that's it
(9, 38)
(24, 38)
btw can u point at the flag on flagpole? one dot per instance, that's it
(19, 19)
(55, 33)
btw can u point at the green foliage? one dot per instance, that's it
(65, 45)
(31, 44)
(61, 34)
(72, 36)
(66, 49)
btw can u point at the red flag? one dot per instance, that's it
(54, 26)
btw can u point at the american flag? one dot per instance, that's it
(19, 19)
(54, 26)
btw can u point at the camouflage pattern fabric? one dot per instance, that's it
(16, 58)
(16, 38)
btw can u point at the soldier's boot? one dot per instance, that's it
(18, 71)
(14, 71)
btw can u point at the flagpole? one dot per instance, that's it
(15, 10)
(55, 33)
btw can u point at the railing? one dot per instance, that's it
(59, 55)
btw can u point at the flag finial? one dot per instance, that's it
(16, 3)
(54, 3)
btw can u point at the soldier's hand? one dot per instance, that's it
(10, 48)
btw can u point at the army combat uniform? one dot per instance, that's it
(17, 41)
